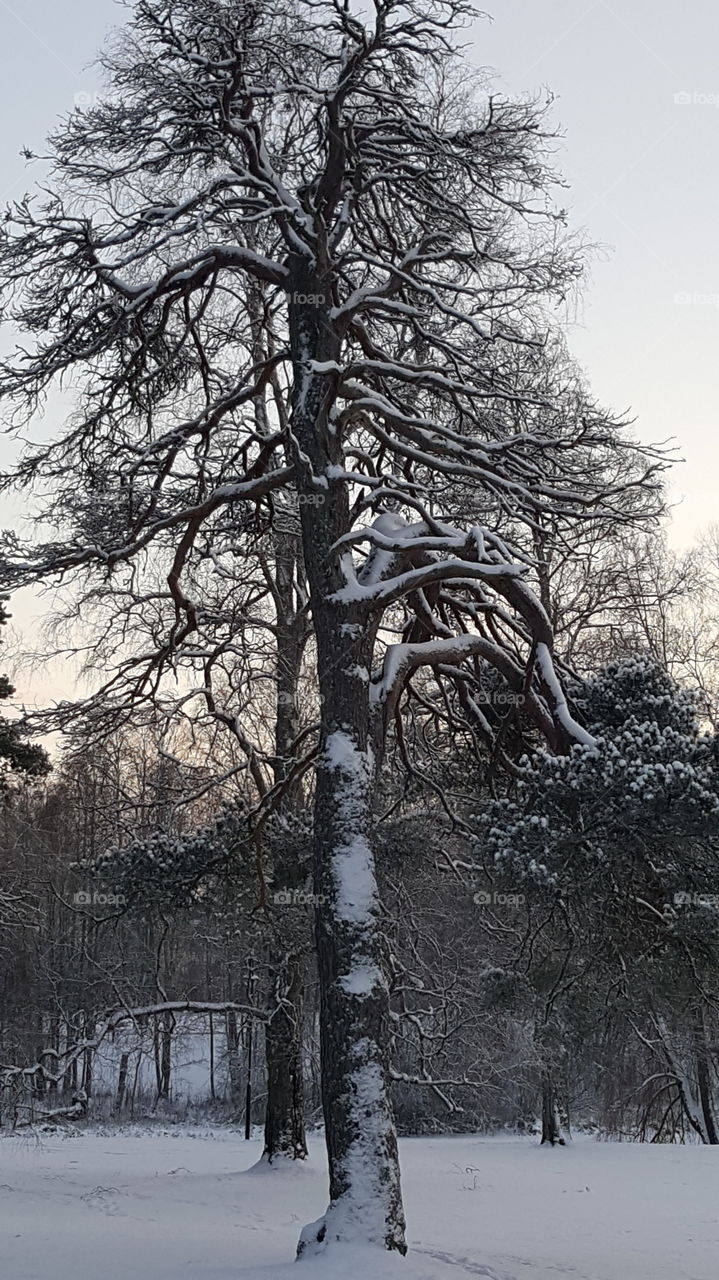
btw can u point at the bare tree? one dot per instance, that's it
(407, 249)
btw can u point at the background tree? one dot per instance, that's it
(17, 756)
(615, 848)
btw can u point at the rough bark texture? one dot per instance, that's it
(551, 1125)
(365, 1195)
(122, 1082)
(163, 1055)
(704, 1083)
(87, 1059)
(284, 1118)
(234, 1059)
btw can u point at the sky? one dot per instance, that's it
(636, 84)
(636, 99)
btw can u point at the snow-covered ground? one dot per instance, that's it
(188, 1206)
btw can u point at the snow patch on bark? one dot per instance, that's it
(549, 675)
(362, 979)
(354, 878)
(352, 863)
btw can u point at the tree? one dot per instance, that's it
(616, 849)
(17, 755)
(407, 251)
(18, 759)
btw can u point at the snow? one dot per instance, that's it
(352, 862)
(362, 980)
(187, 1205)
(357, 1216)
(341, 753)
(354, 878)
(546, 667)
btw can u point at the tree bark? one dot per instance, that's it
(365, 1196)
(704, 1083)
(234, 1063)
(551, 1125)
(163, 1055)
(284, 1114)
(122, 1082)
(212, 1056)
(284, 1117)
(691, 1103)
(87, 1060)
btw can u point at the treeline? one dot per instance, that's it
(552, 930)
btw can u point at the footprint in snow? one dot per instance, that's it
(474, 1268)
(103, 1198)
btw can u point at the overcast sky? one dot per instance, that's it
(637, 89)
(636, 84)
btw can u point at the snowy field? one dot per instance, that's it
(188, 1206)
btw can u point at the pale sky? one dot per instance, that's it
(636, 84)
(637, 87)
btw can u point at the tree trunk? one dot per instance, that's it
(704, 1083)
(168, 1023)
(691, 1102)
(551, 1124)
(122, 1082)
(163, 1055)
(55, 1043)
(87, 1059)
(158, 1058)
(365, 1197)
(39, 1077)
(234, 1062)
(212, 1057)
(69, 1084)
(250, 1045)
(284, 1117)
